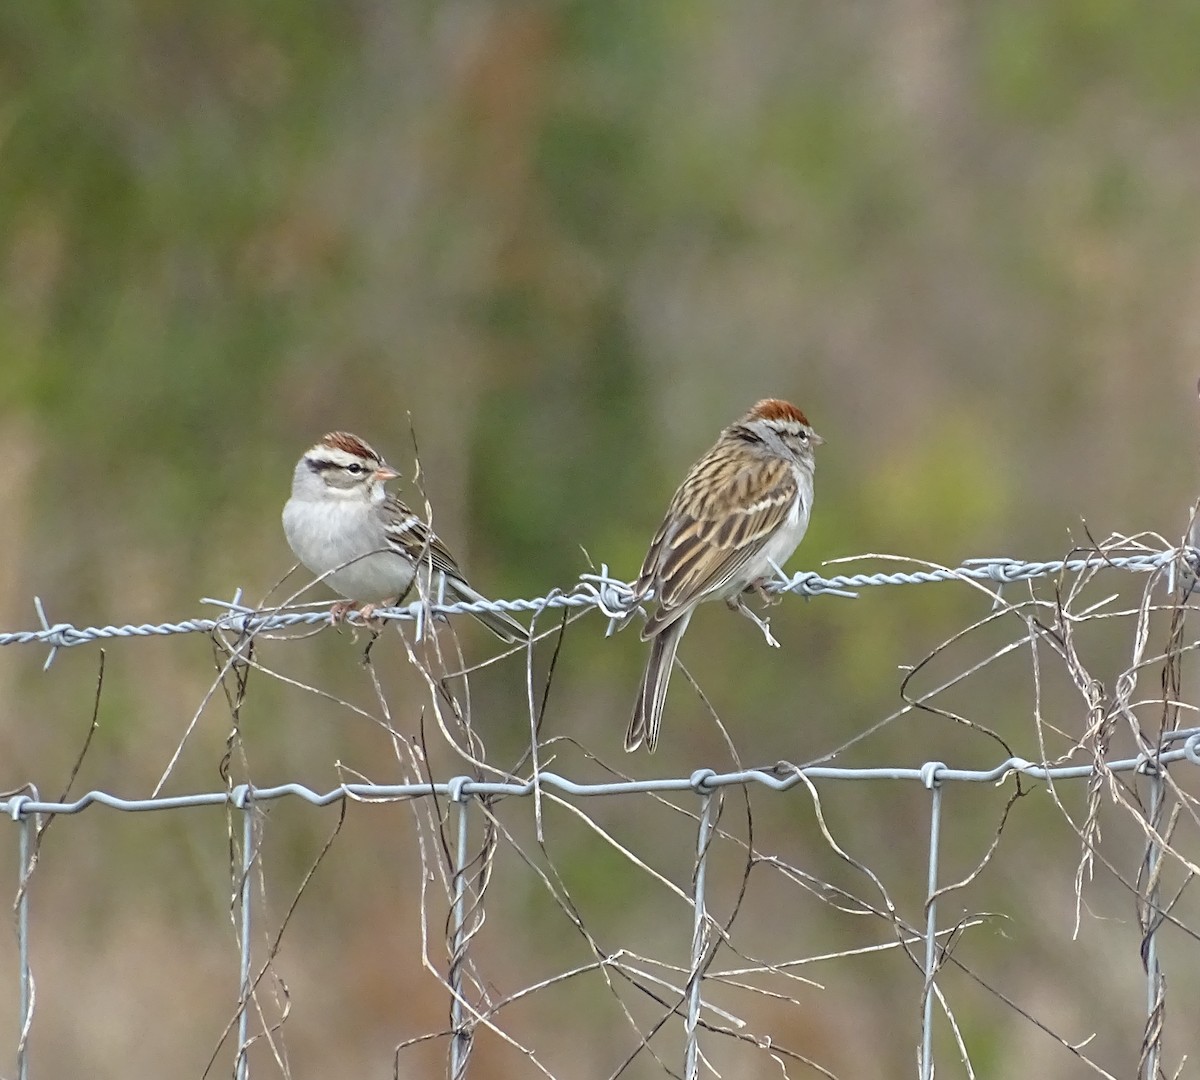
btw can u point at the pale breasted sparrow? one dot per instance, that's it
(364, 542)
(738, 515)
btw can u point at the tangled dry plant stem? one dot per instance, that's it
(694, 1004)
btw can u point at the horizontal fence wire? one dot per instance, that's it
(615, 599)
(702, 782)
(612, 596)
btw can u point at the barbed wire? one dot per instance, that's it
(612, 596)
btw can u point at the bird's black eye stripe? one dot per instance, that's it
(747, 435)
(324, 465)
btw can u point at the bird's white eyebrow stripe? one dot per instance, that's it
(331, 457)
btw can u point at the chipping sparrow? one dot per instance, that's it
(740, 513)
(364, 542)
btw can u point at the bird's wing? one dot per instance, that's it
(413, 538)
(720, 519)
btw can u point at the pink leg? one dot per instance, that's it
(736, 603)
(367, 612)
(760, 587)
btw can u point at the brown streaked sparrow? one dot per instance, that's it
(364, 542)
(736, 518)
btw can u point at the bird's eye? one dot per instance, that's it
(355, 469)
(802, 436)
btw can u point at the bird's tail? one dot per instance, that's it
(648, 709)
(504, 626)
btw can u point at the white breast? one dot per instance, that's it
(783, 544)
(345, 542)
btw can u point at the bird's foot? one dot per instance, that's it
(339, 611)
(367, 614)
(759, 588)
(764, 624)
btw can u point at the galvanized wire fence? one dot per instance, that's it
(463, 821)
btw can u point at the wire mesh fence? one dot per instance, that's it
(709, 998)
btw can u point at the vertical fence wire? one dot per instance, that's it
(460, 1035)
(1155, 998)
(925, 1063)
(242, 1071)
(28, 825)
(699, 941)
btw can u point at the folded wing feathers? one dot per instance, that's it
(711, 531)
(419, 542)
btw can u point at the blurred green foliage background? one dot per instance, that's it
(571, 240)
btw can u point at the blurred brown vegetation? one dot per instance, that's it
(571, 240)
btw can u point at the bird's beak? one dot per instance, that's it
(384, 472)
(816, 439)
